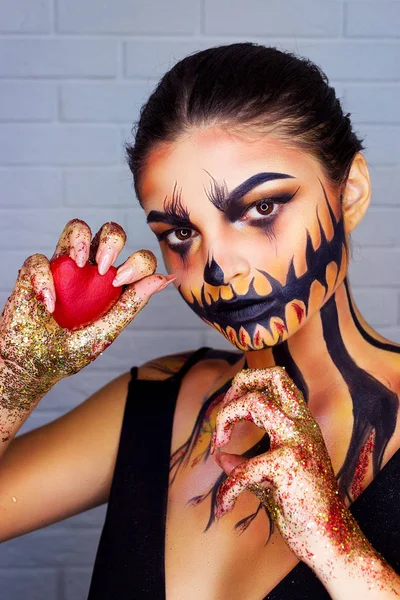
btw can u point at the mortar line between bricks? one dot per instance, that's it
(60, 584)
(120, 75)
(202, 16)
(375, 37)
(53, 16)
(343, 20)
(59, 103)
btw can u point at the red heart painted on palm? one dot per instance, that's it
(83, 295)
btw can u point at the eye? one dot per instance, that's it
(265, 208)
(179, 236)
(262, 208)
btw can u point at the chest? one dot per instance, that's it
(236, 557)
(239, 556)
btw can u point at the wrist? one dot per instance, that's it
(348, 565)
(19, 390)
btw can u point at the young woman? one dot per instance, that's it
(229, 475)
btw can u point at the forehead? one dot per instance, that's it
(193, 158)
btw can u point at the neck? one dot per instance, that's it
(346, 372)
(330, 343)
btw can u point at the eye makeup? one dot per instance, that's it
(266, 220)
(231, 203)
(182, 248)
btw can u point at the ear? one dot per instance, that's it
(356, 193)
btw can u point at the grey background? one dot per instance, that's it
(73, 74)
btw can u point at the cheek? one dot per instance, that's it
(189, 272)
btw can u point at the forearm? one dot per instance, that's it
(356, 570)
(19, 395)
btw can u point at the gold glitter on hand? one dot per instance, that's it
(35, 352)
(295, 479)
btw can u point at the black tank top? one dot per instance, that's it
(129, 563)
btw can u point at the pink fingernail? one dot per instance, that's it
(169, 279)
(105, 261)
(212, 445)
(219, 512)
(48, 300)
(225, 399)
(124, 275)
(81, 254)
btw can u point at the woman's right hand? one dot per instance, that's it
(35, 352)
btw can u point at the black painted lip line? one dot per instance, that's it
(222, 306)
(233, 316)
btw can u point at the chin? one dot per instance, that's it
(256, 337)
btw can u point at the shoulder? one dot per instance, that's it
(166, 366)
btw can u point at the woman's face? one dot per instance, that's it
(252, 229)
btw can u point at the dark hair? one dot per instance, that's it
(253, 88)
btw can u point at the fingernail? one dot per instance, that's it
(217, 458)
(81, 254)
(219, 512)
(48, 300)
(124, 275)
(169, 279)
(105, 260)
(212, 447)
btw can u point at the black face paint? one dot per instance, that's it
(213, 274)
(250, 309)
(374, 405)
(232, 203)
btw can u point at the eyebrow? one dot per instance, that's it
(232, 203)
(174, 213)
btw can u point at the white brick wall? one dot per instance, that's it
(73, 75)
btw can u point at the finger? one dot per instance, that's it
(274, 380)
(31, 300)
(261, 469)
(36, 273)
(106, 245)
(291, 398)
(74, 242)
(248, 380)
(100, 334)
(228, 461)
(140, 264)
(262, 411)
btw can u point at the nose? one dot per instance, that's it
(222, 270)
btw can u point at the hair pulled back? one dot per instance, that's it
(253, 89)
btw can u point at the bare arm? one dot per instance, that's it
(64, 467)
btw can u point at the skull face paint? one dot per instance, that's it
(252, 229)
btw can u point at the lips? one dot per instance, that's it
(240, 311)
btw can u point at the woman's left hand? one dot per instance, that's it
(295, 478)
(296, 482)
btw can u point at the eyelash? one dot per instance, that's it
(182, 244)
